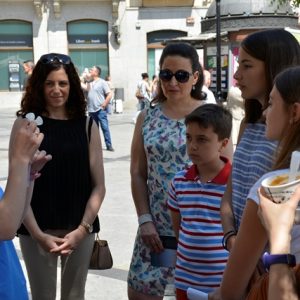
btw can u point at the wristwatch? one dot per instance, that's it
(271, 259)
(88, 227)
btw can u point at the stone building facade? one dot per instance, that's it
(122, 36)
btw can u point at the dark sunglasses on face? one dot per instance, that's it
(55, 57)
(180, 75)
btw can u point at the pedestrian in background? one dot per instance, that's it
(158, 152)
(153, 86)
(235, 103)
(62, 220)
(98, 98)
(195, 198)
(112, 89)
(25, 161)
(210, 97)
(143, 94)
(28, 66)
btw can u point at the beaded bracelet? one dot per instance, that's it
(226, 237)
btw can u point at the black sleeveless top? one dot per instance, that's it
(60, 195)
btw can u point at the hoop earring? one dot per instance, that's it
(193, 88)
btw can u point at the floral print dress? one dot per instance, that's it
(165, 148)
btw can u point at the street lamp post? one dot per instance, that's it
(218, 42)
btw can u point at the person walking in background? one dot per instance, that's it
(28, 66)
(98, 98)
(84, 78)
(210, 97)
(153, 86)
(24, 159)
(63, 217)
(283, 125)
(262, 56)
(112, 89)
(158, 152)
(235, 103)
(143, 94)
(194, 199)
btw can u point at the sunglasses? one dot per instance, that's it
(180, 75)
(55, 57)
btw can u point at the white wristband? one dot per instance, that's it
(144, 219)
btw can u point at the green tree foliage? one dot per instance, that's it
(295, 3)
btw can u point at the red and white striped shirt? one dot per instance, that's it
(201, 258)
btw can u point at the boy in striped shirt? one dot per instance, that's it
(194, 200)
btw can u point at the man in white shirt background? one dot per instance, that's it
(210, 98)
(98, 98)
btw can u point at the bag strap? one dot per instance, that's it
(89, 123)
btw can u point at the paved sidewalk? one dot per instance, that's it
(117, 215)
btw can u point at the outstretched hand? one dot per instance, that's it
(25, 140)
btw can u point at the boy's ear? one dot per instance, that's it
(224, 143)
(296, 112)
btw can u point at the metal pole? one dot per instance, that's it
(218, 42)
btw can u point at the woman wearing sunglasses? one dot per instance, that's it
(66, 199)
(158, 152)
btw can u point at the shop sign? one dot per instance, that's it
(15, 41)
(162, 35)
(87, 39)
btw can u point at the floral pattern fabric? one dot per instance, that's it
(165, 148)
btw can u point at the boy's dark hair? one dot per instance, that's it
(216, 116)
(145, 75)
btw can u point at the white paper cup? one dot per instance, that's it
(279, 190)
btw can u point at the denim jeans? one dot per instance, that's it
(143, 103)
(100, 116)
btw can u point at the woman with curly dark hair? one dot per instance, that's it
(66, 199)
